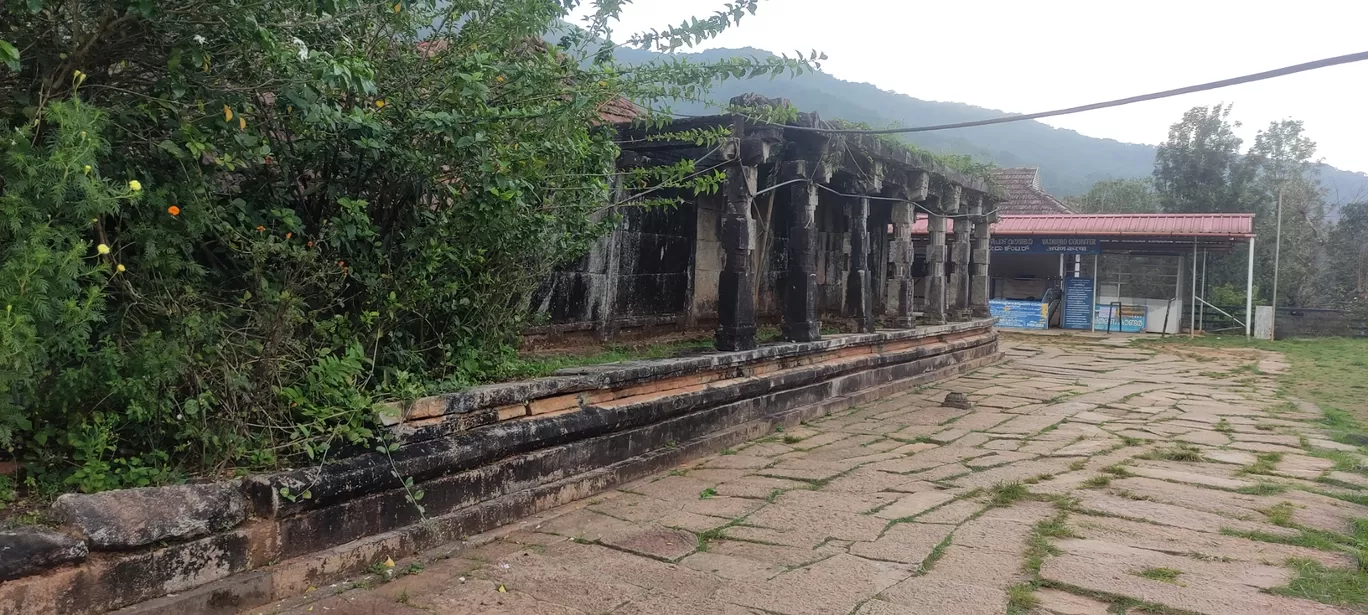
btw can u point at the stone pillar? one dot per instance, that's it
(939, 298)
(735, 303)
(901, 254)
(954, 282)
(934, 310)
(858, 305)
(800, 296)
(959, 271)
(960, 255)
(982, 254)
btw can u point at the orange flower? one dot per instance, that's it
(261, 229)
(342, 264)
(173, 210)
(289, 235)
(310, 244)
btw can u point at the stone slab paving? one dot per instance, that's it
(1084, 467)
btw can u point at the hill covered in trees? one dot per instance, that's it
(1069, 162)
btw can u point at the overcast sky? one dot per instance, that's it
(1035, 56)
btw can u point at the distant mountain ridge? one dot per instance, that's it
(1069, 161)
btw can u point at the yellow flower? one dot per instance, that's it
(500, 78)
(242, 123)
(86, 168)
(380, 104)
(603, 84)
(102, 249)
(135, 185)
(389, 561)
(227, 113)
(398, 7)
(120, 269)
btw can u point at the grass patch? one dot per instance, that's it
(792, 439)
(1223, 426)
(1006, 494)
(1263, 488)
(1078, 465)
(728, 451)
(1118, 471)
(538, 365)
(1038, 545)
(1335, 586)
(1021, 598)
(1097, 482)
(1166, 575)
(1178, 452)
(1129, 441)
(1281, 514)
(1265, 463)
(934, 556)
(1312, 539)
(707, 493)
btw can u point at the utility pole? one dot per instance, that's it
(1277, 254)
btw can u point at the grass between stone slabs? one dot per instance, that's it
(1178, 452)
(1164, 575)
(1263, 488)
(1021, 599)
(1265, 463)
(1327, 371)
(1335, 586)
(1097, 482)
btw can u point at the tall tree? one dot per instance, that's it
(1348, 254)
(1198, 169)
(1118, 196)
(1286, 193)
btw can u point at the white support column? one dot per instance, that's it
(1192, 326)
(1092, 309)
(1249, 292)
(1201, 309)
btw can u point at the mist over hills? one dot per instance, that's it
(1069, 162)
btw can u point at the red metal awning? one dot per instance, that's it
(1119, 226)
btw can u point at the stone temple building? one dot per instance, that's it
(812, 230)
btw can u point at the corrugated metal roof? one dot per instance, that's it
(1232, 226)
(1130, 225)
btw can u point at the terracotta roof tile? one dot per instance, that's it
(1024, 196)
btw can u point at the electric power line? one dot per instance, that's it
(1270, 74)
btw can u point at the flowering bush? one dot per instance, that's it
(229, 227)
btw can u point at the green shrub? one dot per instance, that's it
(221, 244)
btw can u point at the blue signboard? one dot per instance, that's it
(1045, 245)
(1078, 303)
(1123, 318)
(1020, 314)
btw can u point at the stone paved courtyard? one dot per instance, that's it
(1088, 476)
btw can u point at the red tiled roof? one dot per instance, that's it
(1130, 225)
(618, 110)
(1118, 225)
(1024, 196)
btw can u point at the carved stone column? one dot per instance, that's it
(934, 310)
(957, 254)
(800, 296)
(902, 253)
(982, 253)
(858, 304)
(735, 303)
(960, 256)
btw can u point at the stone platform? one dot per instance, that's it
(482, 458)
(1088, 479)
